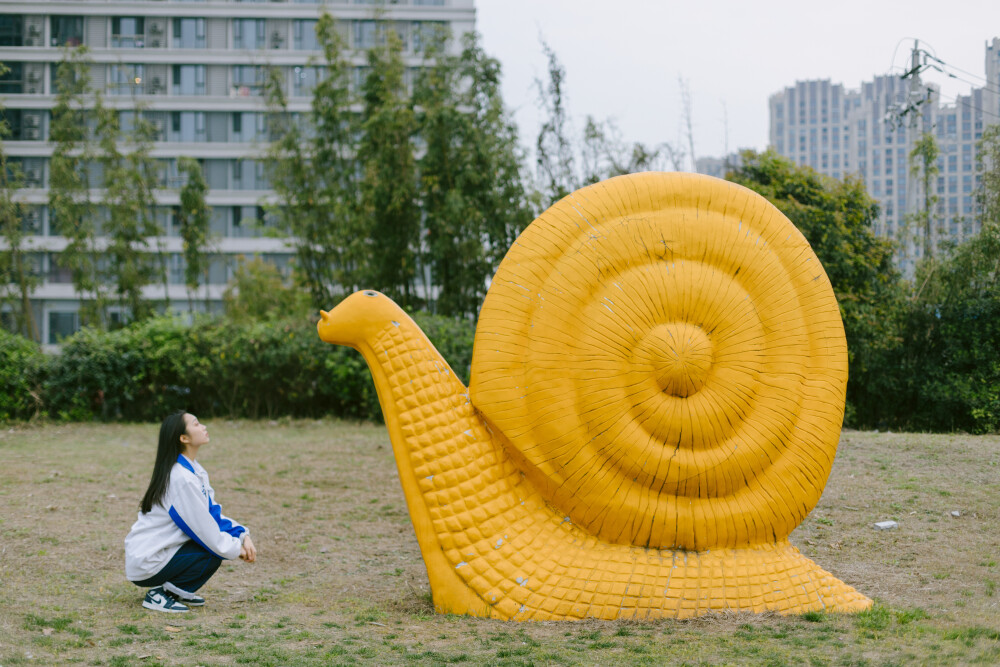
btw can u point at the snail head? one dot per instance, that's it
(357, 318)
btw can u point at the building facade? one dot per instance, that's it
(198, 68)
(871, 131)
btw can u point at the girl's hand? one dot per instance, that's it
(248, 551)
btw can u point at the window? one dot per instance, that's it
(305, 80)
(62, 324)
(426, 32)
(305, 36)
(249, 126)
(364, 34)
(12, 30)
(248, 81)
(67, 30)
(189, 80)
(12, 81)
(187, 126)
(125, 79)
(128, 32)
(189, 33)
(249, 34)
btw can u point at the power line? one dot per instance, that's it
(967, 102)
(944, 64)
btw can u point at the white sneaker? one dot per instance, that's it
(158, 599)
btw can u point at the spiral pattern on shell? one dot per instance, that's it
(664, 357)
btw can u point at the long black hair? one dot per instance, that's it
(169, 449)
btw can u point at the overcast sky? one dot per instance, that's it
(623, 58)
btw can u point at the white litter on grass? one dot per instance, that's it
(886, 525)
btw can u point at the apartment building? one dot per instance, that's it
(870, 131)
(199, 68)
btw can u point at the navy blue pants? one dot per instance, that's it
(189, 569)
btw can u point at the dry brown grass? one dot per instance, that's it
(339, 579)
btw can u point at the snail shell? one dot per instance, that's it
(664, 357)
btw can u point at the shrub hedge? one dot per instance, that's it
(258, 370)
(22, 369)
(941, 367)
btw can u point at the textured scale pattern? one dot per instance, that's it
(499, 527)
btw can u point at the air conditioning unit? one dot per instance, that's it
(32, 120)
(32, 134)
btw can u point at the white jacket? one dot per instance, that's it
(187, 511)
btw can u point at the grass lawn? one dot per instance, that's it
(339, 578)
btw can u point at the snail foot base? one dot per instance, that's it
(663, 583)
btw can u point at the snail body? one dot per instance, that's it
(656, 395)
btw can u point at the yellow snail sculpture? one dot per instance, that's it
(655, 402)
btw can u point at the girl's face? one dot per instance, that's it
(196, 434)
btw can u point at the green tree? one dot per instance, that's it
(924, 163)
(988, 165)
(837, 218)
(554, 154)
(313, 163)
(471, 188)
(193, 219)
(129, 179)
(605, 154)
(388, 184)
(17, 279)
(71, 213)
(258, 292)
(952, 329)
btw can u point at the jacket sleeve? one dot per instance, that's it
(190, 510)
(225, 524)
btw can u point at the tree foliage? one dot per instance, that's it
(129, 181)
(554, 149)
(71, 213)
(193, 220)
(388, 173)
(605, 154)
(471, 191)
(258, 292)
(312, 162)
(924, 163)
(17, 276)
(565, 162)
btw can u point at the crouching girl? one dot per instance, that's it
(181, 535)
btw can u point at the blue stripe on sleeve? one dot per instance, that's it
(190, 533)
(225, 525)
